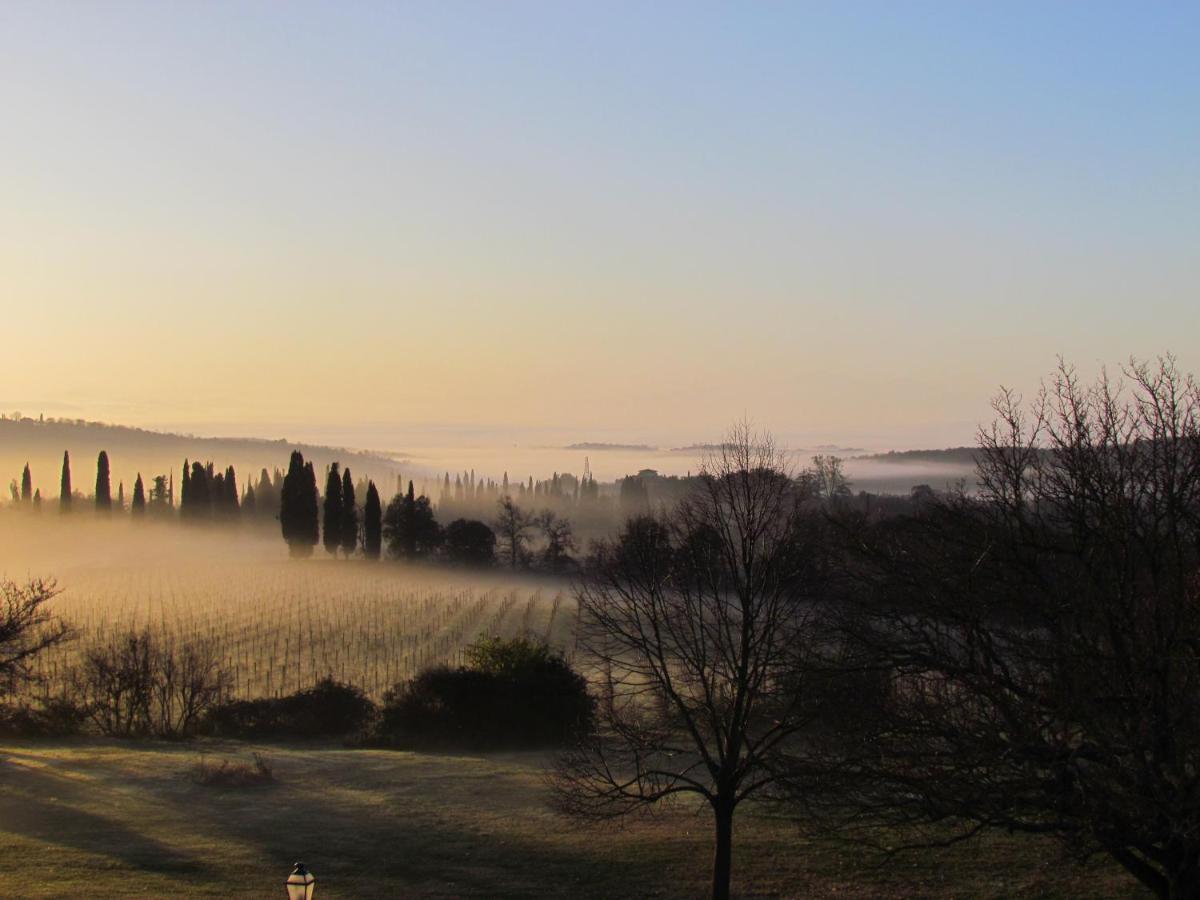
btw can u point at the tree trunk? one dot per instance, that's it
(1184, 880)
(723, 853)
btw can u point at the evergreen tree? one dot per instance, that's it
(103, 486)
(372, 523)
(64, 489)
(299, 507)
(159, 500)
(37, 500)
(333, 510)
(266, 495)
(185, 490)
(138, 506)
(121, 496)
(411, 529)
(199, 492)
(349, 515)
(26, 485)
(229, 500)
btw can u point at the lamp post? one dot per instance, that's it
(300, 883)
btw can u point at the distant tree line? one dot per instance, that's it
(408, 529)
(530, 525)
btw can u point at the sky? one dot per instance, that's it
(428, 223)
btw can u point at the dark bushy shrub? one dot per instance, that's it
(470, 542)
(245, 718)
(329, 708)
(53, 718)
(513, 693)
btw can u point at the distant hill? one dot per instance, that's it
(596, 445)
(131, 450)
(965, 456)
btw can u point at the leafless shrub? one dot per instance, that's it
(228, 773)
(136, 684)
(27, 628)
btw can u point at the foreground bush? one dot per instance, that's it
(512, 693)
(53, 718)
(329, 708)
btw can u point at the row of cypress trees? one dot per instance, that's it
(300, 512)
(103, 496)
(204, 492)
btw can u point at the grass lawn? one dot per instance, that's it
(101, 818)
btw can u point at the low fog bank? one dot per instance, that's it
(133, 451)
(80, 546)
(883, 476)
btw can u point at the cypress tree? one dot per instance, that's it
(199, 497)
(372, 523)
(410, 519)
(311, 498)
(216, 493)
(231, 491)
(26, 485)
(298, 508)
(333, 510)
(37, 499)
(103, 486)
(121, 496)
(185, 490)
(64, 489)
(349, 515)
(138, 506)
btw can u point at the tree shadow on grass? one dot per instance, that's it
(370, 840)
(46, 806)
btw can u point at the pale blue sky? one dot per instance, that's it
(642, 220)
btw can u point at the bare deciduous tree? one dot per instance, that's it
(696, 621)
(560, 540)
(512, 527)
(1042, 641)
(138, 683)
(27, 627)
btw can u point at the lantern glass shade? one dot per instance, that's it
(300, 883)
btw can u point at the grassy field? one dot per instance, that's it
(102, 818)
(99, 818)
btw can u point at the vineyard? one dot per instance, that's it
(281, 625)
